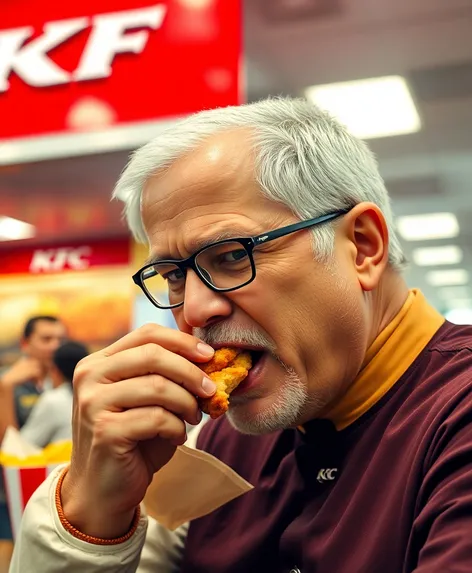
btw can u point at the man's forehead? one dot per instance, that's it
(221, 163)
(48, 327)
(190, 201)
(208, 195)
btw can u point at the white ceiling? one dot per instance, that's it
(427, 41)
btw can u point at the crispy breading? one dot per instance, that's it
(215, 406)
(234, 366)
(242, 360)
(221, 359)
(229, 378)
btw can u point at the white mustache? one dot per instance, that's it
(224, 333)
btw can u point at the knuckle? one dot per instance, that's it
(86, 399)
(158, 414)
(158, 385)
(102, 427)
(82, 370)
(151, 351)
(148, 331)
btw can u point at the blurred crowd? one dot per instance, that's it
(36, 391)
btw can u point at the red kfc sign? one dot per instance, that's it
(96, 64)
(110, 35)
(72, 257)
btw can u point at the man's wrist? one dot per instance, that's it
(94, 526)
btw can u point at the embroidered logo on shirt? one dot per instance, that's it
(327, 475)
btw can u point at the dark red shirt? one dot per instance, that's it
(390, 493)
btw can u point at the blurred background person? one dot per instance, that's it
(50, 418)
(22, 384)
(30, 375)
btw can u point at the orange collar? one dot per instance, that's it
(388, 358)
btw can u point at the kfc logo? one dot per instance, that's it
(328, 474)
(54, 260)
(110, 35)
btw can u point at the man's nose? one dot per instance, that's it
(203, 306)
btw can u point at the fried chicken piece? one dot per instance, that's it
(228, 368)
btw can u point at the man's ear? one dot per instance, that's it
(368, 234)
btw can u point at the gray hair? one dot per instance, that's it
(305, 160)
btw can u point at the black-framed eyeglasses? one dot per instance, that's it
(223, 266)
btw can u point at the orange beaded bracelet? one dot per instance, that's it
(89, 538)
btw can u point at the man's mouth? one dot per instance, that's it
(256, 355)
(255, 352)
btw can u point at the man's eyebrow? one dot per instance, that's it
(198, 244)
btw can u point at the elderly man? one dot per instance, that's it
(273, 231)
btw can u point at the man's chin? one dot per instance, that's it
(264, 415)
(248, 416)
(250, 426)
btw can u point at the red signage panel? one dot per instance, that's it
(67, 257)
(74, 66)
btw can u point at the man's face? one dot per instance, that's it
(307, 316)
(44, 341)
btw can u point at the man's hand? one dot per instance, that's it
(25, 369)
(131, 402)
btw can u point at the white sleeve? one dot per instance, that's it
(44, 546)
(163, 549)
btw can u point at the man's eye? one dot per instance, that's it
(173, 276)
(233, 256)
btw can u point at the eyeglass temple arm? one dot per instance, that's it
(271, 235)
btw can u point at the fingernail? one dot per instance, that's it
(205, 350)
(209, 387)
